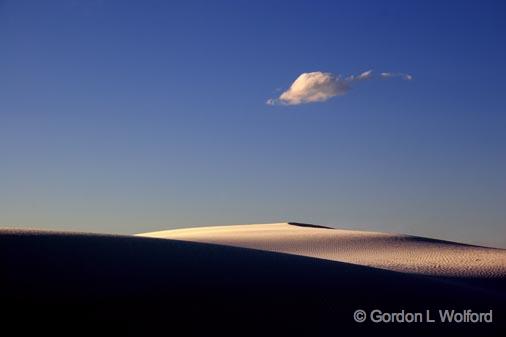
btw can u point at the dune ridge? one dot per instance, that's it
(396, 252)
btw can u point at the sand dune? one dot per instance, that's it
(395, 252)
(80, 283)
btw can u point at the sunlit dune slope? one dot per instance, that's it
(395, 252)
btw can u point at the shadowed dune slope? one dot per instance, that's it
(69, 283)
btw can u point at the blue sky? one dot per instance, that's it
(132, 116)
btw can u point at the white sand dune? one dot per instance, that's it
(397, 252)
(141, 286)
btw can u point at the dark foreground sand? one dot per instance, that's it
(74, 284)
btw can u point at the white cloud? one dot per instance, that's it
(312, 87)
(366, 75)
(319, 86)
(404, 76)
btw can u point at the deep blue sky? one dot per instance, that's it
(131, 116)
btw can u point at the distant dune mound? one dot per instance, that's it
(397, 252)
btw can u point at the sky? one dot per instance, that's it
(135, 116)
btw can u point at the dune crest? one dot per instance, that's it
(396, 252)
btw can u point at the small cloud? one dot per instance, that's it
(366, 75)
(403, 76)
(320, 86)
(271, 101)
(312, 87)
